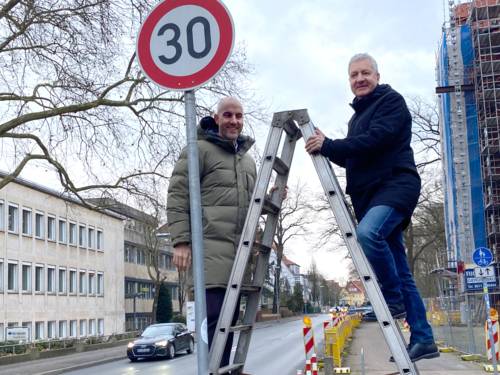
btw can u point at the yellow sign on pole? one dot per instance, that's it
(307, 321)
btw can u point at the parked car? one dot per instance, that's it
(161, 341)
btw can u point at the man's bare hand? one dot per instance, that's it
(182, 257)
(315, 141)
(285, 191)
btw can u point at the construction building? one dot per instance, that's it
(468, 86)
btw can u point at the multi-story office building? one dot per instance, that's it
(142, 241)
(468, 75)
(61, 268)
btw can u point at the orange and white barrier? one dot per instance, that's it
(495, 329)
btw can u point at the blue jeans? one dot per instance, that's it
(380, 235)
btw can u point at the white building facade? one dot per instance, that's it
(61, 265)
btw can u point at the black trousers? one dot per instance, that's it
(214, 299)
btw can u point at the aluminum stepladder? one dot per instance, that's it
(290, 122)
(260, 204)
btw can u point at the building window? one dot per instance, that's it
(51, 228)
(51, 329)
(92, 327)
(91, 238)
(2, 215)
(39, 330)
(13, 218)
(81, 236)
(99, 240)
(62, 231)
(72, 234)
(62, 281)
(27, 224)
(100, 327)
(72, 281)
(72, 328)
(30, 331)
(12, 277)
(129, 252)
(91, 283)
(39, 225)
(82, 283)
(39, 278)
(141, 259)
(100, 284)
(26, 278)
(63, 329)
(1, 275)
(83, 328)
(51, 279)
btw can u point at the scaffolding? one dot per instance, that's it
(485, 24)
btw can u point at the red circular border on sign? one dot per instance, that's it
(185, 82)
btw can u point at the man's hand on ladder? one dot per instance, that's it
(285, 191)
(182, 256)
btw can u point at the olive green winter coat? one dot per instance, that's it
(227, 179)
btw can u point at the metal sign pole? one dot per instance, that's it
(196, 235)
(490, 329)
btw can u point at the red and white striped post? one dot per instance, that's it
(308, 337)
(314, 364)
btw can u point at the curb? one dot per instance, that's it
(82, 366)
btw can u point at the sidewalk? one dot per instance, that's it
(376, 352)
(57, 365)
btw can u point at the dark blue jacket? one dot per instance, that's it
(377, 155)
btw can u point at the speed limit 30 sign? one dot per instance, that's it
(184, 43)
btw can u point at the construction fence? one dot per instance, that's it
(459, 321)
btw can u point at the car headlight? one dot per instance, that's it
(130, 345)
(161, 343)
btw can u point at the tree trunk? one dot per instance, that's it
(157, 284)
(277, 275)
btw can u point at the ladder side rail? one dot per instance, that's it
(344, 220)
(243, 253)
(267, 240)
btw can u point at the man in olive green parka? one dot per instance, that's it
(227, 178)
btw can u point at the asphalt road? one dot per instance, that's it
(276, 348)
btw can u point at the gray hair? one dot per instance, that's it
(363, 56)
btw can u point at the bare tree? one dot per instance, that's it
(74, 100)
(292, 223)
(426, 135)
(425, 236)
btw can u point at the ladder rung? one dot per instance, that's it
(290, 128)
(263, 249)
(270, 208)
(247, 289)
(280, 167)
(226, 369)
(239, 328)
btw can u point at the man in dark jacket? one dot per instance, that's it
(227, 178)
(384, 186)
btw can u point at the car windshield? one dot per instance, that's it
(157, 331)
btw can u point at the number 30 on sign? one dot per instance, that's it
(184, 43)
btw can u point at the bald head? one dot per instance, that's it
(228, 100)
(229, 117)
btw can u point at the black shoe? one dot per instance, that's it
(397, 311)
(423, 351)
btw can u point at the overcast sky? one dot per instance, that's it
(300, 51)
